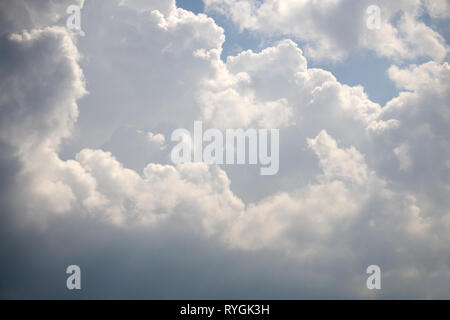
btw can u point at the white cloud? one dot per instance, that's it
(438, 8)
(163, 6)
(333, 29)
(377, 189)
(157, 139)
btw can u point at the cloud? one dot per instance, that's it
(163, 6)
(360, 183)
(157, 139)
(329, 33)
(438, 9)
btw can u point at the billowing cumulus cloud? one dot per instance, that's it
(85, 126)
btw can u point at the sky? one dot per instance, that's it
(364, 149)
